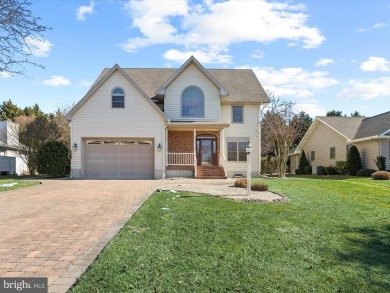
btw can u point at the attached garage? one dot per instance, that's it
(125, 158)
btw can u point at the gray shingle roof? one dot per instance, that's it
(348, 126)
(375, 125)
(242, 84)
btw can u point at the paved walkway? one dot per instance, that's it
(57, 229)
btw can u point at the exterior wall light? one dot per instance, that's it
(159, 147)
(74, 146)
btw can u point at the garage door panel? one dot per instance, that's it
(119, 158)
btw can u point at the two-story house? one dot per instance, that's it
(140, 123)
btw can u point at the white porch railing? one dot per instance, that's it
(181, 158)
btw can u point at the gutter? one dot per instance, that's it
(370, 138)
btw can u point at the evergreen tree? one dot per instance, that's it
(354, 162)
(303, 162)
(8, 111)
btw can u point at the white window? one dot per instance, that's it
(236, 148)
(237, 114)
(332, 153)
(192, 102)
(118, 98)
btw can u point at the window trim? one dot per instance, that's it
(117, 95)
(242, 114)
(203, 100)
(236, 140)
(332, 153)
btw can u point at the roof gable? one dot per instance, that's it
(192, 60)
(104, 76)
(346, 126)
(374, 126)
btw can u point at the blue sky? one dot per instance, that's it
(321, 54)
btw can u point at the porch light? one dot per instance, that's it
(248, 149)
(159, 147)
(75, 147)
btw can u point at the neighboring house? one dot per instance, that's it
(10, 162)
(155, 123)
(328, 140)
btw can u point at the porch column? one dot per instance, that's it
(195, 160)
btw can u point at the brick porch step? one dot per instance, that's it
(210, 172)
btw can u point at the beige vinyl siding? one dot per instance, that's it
(294, 161)
(247, 129)
(192, 76)
(97, 119)
(368, 150)
(321, 140)
(385, 152)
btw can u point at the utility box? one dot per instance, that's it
(7, 165)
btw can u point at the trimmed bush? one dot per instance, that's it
(54, 159)
(297, 172)
(308, 170)
(354, 163)
(330, 170)
(381, 163)
(320, 170)
(259, 186)
(240, 183)
(365, 172)
(341, 167)
(303, 162)
(381, 175)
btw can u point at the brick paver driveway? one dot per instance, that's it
(56, 229)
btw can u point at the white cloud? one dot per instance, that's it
(5, 74)
(206, 56)
(57, 80)
(293, 82)
(204, 27)
(82, 11)
(257, 54)
(323, 62)
(313, 109)
(375, 64)
(375, 26)
(374, 88)
(37, 47)
(85, 83)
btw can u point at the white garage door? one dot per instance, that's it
(119, 158)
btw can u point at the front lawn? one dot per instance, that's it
(331, 236)
(9, 183)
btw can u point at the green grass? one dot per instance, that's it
(331, 236)
(20, 183)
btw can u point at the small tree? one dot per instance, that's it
(380, 163)
(354, 162)
(53, 158)
(303, 162)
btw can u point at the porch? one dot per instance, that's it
(196, 152)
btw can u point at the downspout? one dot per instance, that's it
(260, 139)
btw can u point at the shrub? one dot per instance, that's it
(381, 175)
(330, 170)
(354, 162)
(341, 167)
(365, 172)
(380, 163)
(240, 183)
(259, 186)
(53, 159)
(308, 170)
(268, 165)
(320, 170)
(297, 172)
(303, 162)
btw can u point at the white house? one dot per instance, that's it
(155, 123)
(10, 162)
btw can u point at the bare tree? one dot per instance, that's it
(18, 30)
(29, 133)
(279, 130)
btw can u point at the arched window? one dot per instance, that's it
(118, 98)
(192, 102)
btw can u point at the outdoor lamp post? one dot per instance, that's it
(248, 149)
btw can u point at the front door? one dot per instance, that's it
(206, 150)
